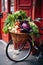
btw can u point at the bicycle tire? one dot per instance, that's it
(15, 60)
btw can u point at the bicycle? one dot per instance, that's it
(21, 53)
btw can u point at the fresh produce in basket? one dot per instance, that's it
(18, 22)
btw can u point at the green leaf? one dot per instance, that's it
(5, 29)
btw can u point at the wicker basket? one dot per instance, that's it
(19, 37)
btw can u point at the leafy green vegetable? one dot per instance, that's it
(34, 27)
(20, 15)
(5, 29)
(12, 18)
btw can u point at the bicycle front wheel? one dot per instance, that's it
(19, 54)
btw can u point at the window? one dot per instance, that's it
(12, 6)
(3, 5)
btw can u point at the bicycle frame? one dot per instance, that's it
(32, 43)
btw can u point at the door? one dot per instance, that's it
(5, 11)
(39, 13)
(41, 24)
(7, 7)
(25, 5)
(0, 20)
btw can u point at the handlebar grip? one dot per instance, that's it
(41, 28)
(38, 19)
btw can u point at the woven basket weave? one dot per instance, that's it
(19, 37)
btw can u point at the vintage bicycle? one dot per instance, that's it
(22, 52)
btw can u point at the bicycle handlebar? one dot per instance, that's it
(38, 19)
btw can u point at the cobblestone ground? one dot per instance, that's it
(32, 60)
